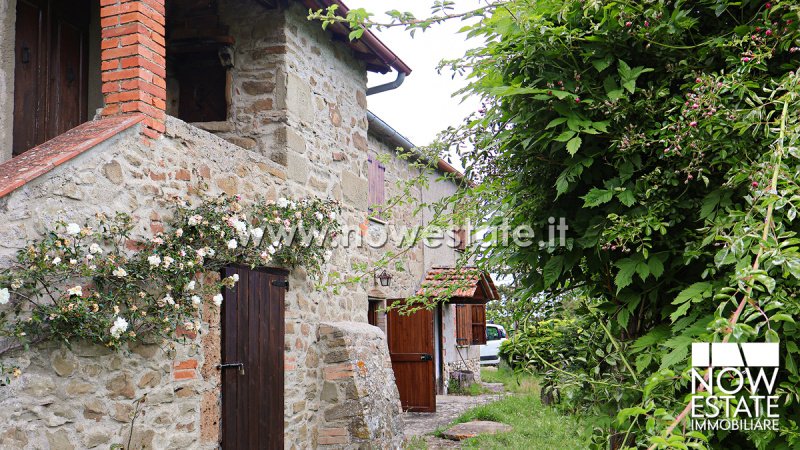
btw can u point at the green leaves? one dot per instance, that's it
(573, 145)
(629, 76)
(597, 197)
(638, 265)
(695, 293)
(552, 270)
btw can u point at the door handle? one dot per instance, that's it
(239, 366)
(26, 55)
(426, 357)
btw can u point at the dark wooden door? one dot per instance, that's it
(252, 334)
(50, 70)
(411, 349)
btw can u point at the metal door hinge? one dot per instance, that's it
(281, 283)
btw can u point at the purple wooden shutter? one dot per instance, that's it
(372, 177)
(380, 188)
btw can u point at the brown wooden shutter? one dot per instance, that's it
(478, 324)
(463, 325)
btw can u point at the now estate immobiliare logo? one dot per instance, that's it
(737, 392)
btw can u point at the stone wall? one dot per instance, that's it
(360, 406)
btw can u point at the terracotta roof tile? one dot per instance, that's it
(469, 282)
(39, 160)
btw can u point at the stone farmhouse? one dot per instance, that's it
(123, 105)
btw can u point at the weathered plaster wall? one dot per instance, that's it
(457, 357)
(8, 18)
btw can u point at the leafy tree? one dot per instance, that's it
(665, 133)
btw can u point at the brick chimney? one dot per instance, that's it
(134, 60)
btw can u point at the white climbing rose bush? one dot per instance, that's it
(93, 282)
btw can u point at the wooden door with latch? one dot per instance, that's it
(253, 332)
(411, 347)
(50, 70)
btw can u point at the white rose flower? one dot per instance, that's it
(235, 277)
(179, 232)
(282, 202)
(211, 251)
(196, 300)
(257, 233)
(119, 272)
(56, 260)
(168, 261)
(95, 249)
(73, 261)
(5, 296)
(77, 290)
(232, 244)
(298, 215)
(119, 327)
(191, 285)
(154, 260)
(201, 252)
(73, 229)
(218, 299)
(195, 220)
(168, 300)
(332, 215)
(319, 215)
(240, 227)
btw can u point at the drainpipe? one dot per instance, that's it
(401, 76)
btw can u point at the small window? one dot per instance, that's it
(492, 334)
(460, 238)
(377, 182)
(479, 324)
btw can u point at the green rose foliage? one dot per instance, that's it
(95, 283)
(658, 130)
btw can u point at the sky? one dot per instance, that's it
(423, 105)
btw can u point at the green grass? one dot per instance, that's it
(471, 390)
(535, 426)
(516, 383)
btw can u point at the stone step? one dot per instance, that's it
(468, 430)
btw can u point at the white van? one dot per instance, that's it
(495, 335)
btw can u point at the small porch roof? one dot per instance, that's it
(464, 285)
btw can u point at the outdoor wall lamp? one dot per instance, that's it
(384, 277)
